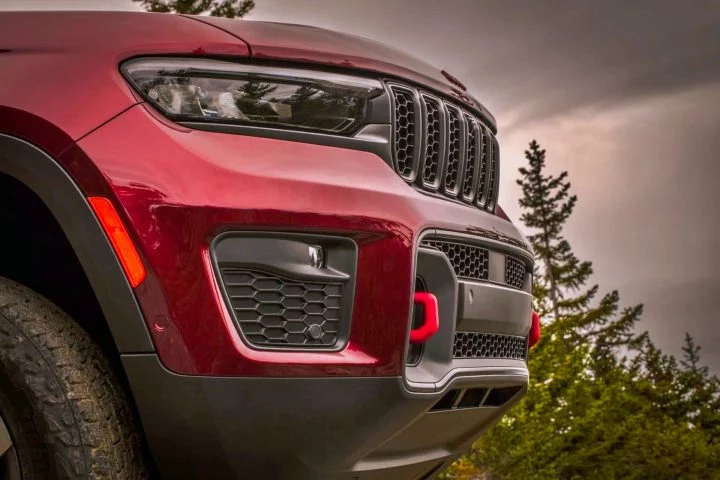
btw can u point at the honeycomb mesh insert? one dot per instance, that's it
(494, 166)
(274, 311)
(481, 198)
(467, 186)
(453, 155)
(468, 261)
(489, 345)
(515, 271)
(432, 144)
(404, 123)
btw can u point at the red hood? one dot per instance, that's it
(301, 43)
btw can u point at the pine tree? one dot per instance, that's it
(560, 277)
(215, 8)
(548, 204)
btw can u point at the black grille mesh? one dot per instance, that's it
(404, 135)
(481, 198)
(470, 163)
(489, 345)
(453, 156)
(468, 261)
(492, 174)
(515, 271)
(274, 311)
(432, 142)
(443, 125)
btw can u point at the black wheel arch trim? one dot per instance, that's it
(58, 191)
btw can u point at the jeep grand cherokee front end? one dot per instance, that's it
(292, 235)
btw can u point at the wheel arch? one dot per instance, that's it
(48, 180)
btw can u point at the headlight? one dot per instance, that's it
(196, 90)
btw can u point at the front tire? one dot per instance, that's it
(65, 413)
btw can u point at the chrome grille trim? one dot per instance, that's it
(442, 148)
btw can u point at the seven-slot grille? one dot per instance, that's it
(489, 345)
(274, 311)
(441, 148)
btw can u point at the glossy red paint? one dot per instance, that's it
(183, 188)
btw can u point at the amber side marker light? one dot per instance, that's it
(119, 238)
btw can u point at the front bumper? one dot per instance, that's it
(213, 405)
(357, 428)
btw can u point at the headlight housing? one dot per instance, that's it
(215, 91)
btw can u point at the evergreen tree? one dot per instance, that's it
(548, 204)
(215, 8)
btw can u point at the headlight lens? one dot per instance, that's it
(194, 90)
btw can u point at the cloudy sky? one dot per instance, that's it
(623, 95)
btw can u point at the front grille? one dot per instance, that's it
(515, 271)
(441, 148)
(489, 345)
(273, 311)
(468, 261)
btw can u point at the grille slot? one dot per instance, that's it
(273, 311)
(444, 145)
(404, 132)
(468, 261)
(433, 143)
(452, 168)
(468, 186)
(515, 271)
(492, 175)
(489, 345)
(482, 190)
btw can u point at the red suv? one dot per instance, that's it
(237, 249)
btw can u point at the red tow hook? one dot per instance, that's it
(534, 336)
(431, 318)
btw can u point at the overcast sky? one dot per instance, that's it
(623, 95)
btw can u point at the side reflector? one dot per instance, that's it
(120, 240)
(431, 318)
(534, 336)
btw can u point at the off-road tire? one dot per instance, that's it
(67, 415)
